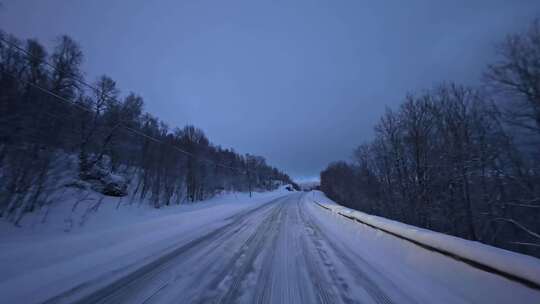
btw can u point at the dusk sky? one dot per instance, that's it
(299, 82)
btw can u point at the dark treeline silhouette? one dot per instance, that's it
(48, 115)
(459, 160)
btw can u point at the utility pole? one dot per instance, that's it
(249, 182)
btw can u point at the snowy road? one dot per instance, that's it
(289, 250)
(274, 253)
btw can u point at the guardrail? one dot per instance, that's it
(474, 263)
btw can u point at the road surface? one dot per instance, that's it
(282, 252)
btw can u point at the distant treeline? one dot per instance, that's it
(48, 111)
(460, 160)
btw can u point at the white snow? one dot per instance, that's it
(521, 265)
(239, 250)
(71, 248)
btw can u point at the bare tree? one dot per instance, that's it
(518, 75)
(48, 113)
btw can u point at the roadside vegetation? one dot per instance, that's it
(458, 159)
(50, 115)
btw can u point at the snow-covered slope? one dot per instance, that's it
(512, 263)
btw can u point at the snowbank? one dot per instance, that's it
(515, 264)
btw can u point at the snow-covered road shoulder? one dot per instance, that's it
(522, 267)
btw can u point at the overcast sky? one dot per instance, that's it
(299, 82)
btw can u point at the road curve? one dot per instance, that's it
(275, 253)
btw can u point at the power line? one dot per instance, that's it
(77, 79)
(132, 130)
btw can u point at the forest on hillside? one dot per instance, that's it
(50, 114)
(458, 159)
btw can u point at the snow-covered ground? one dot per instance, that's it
(429, 276)
(74, 246)
(277, 247)
(516, 264)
